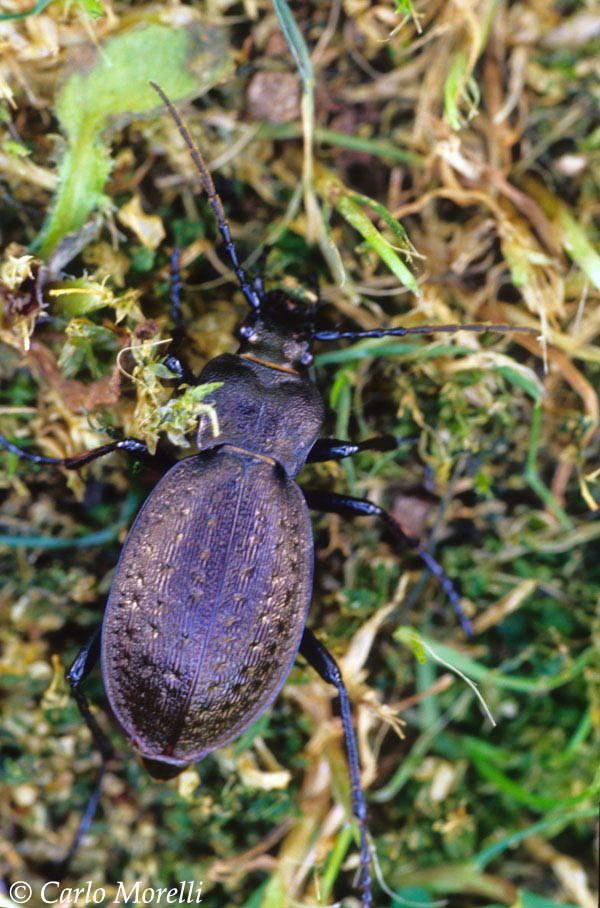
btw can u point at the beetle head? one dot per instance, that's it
(280, 331)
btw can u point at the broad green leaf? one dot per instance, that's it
(113, 84)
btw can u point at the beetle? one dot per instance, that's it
(210, 598)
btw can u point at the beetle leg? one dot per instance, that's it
(172, 362)
(176, 287)
(259, 284)
(323, 662)
(347, 506)
(334, 449)
(133, 445)
(181, 370)
(84, 662)
(259, 277)
(313, 282)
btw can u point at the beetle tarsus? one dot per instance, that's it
(323, 662)
(259, 278)
(82, 665)
(448, 587)
(131, 445)
(176, 287)
(174, 362)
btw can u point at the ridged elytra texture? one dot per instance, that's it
(208, 604)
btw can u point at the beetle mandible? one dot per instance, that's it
(210, 598)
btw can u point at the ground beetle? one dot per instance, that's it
(209, 602)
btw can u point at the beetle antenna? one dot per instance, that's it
(417, 329)
(253, 298)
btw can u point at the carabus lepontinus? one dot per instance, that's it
(209, 602)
